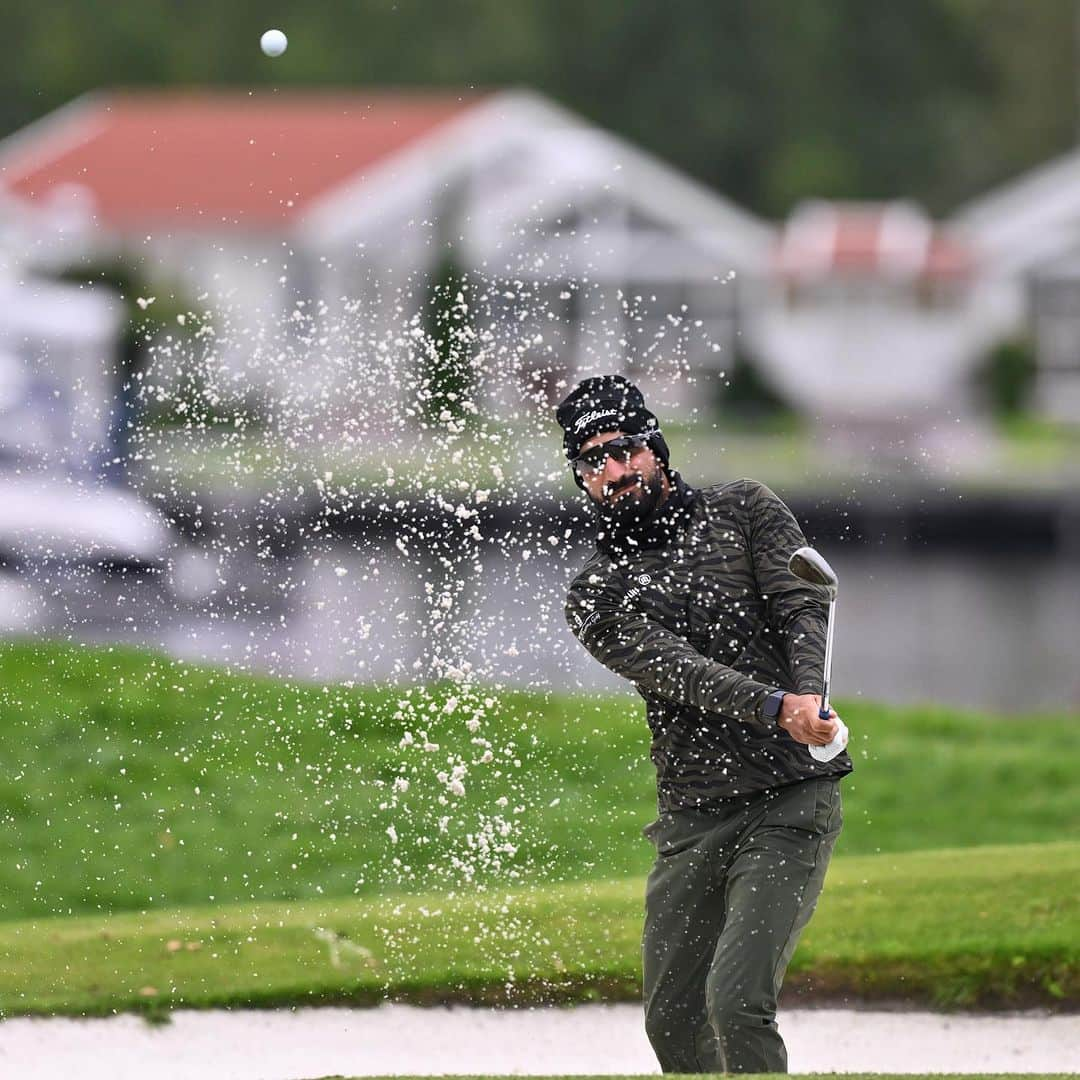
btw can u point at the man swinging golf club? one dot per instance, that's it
(690, 596)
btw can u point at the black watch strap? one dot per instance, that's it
(771, 709)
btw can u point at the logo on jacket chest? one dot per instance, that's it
(634, 591)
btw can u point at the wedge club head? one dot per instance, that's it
(810, 565)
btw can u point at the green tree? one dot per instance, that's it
(447, 375)
(767, 101)
(1006, 378)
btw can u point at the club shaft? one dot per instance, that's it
(826, 680)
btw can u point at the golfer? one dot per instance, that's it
(688, 595)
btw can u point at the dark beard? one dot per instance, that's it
(630, 511)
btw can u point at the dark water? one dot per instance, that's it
(966, 629)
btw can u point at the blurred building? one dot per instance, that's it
(57, 378)
(869, 314)
(273, 210)
(264, 204)
(1027, 236)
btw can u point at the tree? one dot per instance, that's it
(447, 375)
(137, 332)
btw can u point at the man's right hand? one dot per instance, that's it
(799, 718)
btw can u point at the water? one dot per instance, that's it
(972, 630)
(983, 631)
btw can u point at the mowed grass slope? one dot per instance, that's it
(995, 926)
(133, 782)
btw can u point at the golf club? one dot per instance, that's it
(808, 564)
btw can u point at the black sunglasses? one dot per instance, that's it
(593, 459)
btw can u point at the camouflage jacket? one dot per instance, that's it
(703, 616)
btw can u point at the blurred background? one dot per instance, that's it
(281, 338)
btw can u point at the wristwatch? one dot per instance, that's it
(771, 709)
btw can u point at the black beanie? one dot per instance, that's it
(606, 403)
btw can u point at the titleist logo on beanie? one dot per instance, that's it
(602, 403)
(599, 416)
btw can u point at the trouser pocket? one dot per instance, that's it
(675, 832)
(810, 806)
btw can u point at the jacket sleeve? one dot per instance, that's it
(796, 610)
(656, 660)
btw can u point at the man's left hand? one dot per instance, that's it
(799, 718)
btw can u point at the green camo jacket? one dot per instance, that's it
(706, 624)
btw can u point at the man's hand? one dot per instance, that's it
(799, 718)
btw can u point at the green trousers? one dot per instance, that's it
(728, 896)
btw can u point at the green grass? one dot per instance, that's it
(994, 926)
(524, 459)
(134, 782)
(181, 835)
(220, 459)
(1034, 442)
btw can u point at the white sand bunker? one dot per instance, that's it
(403, 1039)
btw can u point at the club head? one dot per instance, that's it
(809, 565)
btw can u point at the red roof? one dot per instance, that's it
(861, 239)
(204, 159)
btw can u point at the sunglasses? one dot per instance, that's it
(624, 447)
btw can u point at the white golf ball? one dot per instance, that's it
(273, 42)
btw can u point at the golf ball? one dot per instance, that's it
(273, 42)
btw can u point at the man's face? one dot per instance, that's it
(623, 490)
